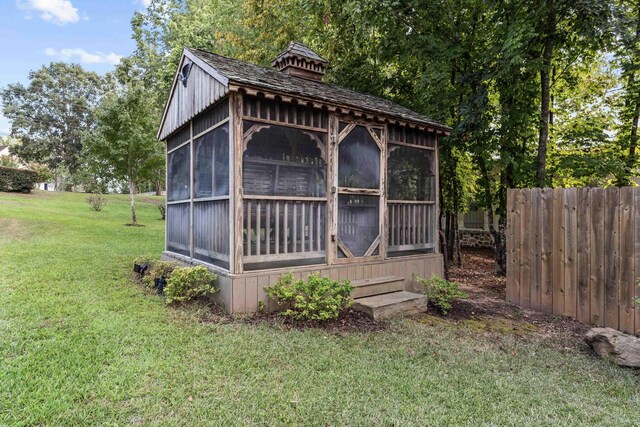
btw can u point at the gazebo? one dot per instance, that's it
(271, 170)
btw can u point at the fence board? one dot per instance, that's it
(575, 252)
(636, 254)
(517, 237)
(583, 259)
(510, 236)
(546, 271)
(535, 266)
(611, 256)
(571, 253)
(558, 250)
(596, 261)
(627, 282)
(525, 252)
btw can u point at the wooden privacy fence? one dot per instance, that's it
(576, 252)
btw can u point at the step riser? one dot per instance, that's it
(392, 304)
(404, 308)
(377, 289)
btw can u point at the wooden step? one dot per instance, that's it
(393, 304)
(376, 286)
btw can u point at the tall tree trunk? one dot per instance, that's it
(499, 250)
(545, 92)
(633, 140)
(132, 193)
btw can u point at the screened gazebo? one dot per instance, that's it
(271, 170)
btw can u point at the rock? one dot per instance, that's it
(610, 344)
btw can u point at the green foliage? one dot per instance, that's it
(8, 162)
(441, 292)
(124, 141)
(162, 208)
(159, 269)
(13, 179)
(189, 283)
(317, 298)
(97, 201)
(51, 115)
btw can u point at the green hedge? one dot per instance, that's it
(12, 179)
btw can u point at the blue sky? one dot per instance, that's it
(93, 33)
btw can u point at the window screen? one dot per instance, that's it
(178, 164)
(410, 174)
(359, 160)
(358, 222)
(282, 161)
(211, 163)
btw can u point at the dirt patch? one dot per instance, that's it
(14, 229)
(486, 309)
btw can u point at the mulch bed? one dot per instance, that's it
(487, 301)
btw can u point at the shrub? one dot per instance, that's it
(317, 298)
(189, 283)
(158, 270)
(163, 210)
(441, 292)
(13, 179)
(97, 201)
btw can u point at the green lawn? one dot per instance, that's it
(81, 344)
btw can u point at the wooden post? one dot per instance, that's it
(236, 196)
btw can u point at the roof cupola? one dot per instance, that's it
(300, 61)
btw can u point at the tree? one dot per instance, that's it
(124, 141)
(52, 113)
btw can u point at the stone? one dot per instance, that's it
(391, 304)
(614, 345)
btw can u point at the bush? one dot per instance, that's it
(317, 298)
(163, 210)
(97, 201)
(13, 179)
(441, 292)
(158, 270)
(189, 283)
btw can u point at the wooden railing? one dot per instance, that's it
(278, 228)
(411, 225)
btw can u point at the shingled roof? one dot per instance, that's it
(245, 73)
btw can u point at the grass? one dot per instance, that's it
(81, 344)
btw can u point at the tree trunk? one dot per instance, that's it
(499, 251)
(633, 141)
(132, 193)
(545, 93)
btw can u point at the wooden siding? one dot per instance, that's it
(576, 252)
(202, 91)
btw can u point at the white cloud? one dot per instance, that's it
(58, 11)
(83, 56)
(145, 3)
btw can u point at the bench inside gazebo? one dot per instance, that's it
(271, 170)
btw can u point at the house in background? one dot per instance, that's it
(271, 170)
(473, 228)
(5, 153)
